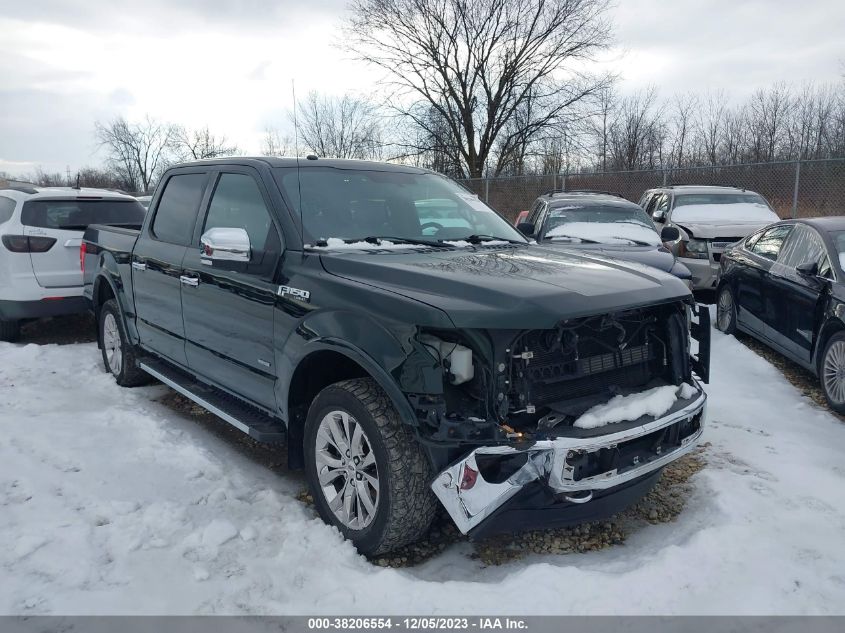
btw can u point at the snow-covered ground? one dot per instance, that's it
(112, 503)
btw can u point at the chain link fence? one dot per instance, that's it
(806, 188)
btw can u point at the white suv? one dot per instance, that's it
(40, 235)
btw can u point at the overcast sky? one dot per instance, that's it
(65, 64)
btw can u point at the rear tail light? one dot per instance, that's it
(28, 243)
(82, 250)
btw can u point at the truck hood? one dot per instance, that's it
(711, 230)
(655, 256)
(522, 287)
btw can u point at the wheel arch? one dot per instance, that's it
(829, 328)
(104, 288)
(325, 362)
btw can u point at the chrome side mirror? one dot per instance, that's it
(225, 245)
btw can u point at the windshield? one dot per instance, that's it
(77, 214)
(353, 205)
(600, 224)
(717, 198)
(722, 207)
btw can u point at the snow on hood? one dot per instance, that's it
(607, 232)
(654, 402)
(724, 213)
(335, 243)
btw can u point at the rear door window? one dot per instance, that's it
(77, 214)
(177, 208)
(771, 241)
(7, 207)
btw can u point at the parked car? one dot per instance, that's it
(784, 286)
(710, 219)
(601, 223)
(41, 230)
(405, 359)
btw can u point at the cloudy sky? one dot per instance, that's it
(65, 64)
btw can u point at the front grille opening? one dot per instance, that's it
(587, 361)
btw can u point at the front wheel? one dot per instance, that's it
(366, 471)
(726, 310)
(832, 372)
(118, 353)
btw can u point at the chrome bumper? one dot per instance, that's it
(470, 499)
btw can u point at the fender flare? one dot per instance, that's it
(107, 276)
(369, 365)
(379, 352)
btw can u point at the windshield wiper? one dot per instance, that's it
(378, 239)
(573, 237)
(479, 239)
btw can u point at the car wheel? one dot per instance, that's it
(119, 357)
(726, 310)
(366, 471)
(9, 330)
(832, 372)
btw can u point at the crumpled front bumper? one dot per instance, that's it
(558, 463)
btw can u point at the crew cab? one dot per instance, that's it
(40, 231)
(407, 344)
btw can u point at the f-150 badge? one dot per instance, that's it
(294, 293)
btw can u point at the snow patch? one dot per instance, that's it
(654, 402)
(218, 532)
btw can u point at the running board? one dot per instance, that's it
(236, 412)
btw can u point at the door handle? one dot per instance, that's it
(139, 266)
(189, 281)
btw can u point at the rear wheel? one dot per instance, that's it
(366, 471)
(726, 310)
(9, 330)
(119, 356)
(832, 372)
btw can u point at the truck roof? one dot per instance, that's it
(303, 163)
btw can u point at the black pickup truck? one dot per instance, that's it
(405, 342)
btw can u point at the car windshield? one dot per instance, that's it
(354, 205)
(602, 224)
(722, 207)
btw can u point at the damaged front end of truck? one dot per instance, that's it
(551, 427)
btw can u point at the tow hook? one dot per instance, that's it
(585, 496)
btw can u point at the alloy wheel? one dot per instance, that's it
(112, 344)
(724, 310)
(347, 470)
(833, 372)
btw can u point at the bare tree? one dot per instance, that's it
(274, 144)
(476, 63)
(637, 133)
(339, 127)
(684, 109)
(138, 152)
(200, 143)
